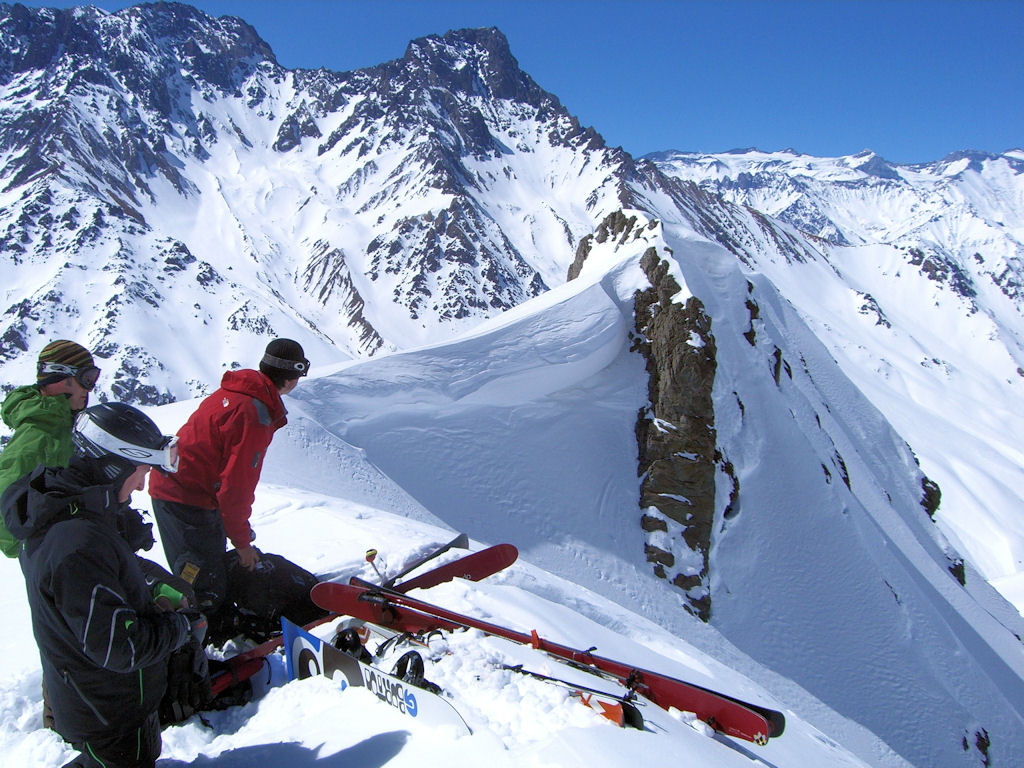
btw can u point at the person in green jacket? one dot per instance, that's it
(42, 415)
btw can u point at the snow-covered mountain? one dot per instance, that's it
(915, 289)
(165, 156)
(678, 407)
(966, 203)
(832, 599)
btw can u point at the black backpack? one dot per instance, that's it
(257, 599)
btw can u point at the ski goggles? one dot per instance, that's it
(86, 376)
(98, 443)
(300, 367)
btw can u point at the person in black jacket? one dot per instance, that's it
(103, 640)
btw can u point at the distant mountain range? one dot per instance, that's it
(966, 210)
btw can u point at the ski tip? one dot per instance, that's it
(776, 720)
(320, 594)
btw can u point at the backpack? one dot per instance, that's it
(257, 599)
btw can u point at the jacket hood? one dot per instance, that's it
(254, 384)
(28, 402)
(49, 494)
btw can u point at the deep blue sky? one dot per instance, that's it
(912, 80)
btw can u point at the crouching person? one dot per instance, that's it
(104, 642)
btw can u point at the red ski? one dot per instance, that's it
(461, 542)
(474, 567)
(394, 609)
(242, 666)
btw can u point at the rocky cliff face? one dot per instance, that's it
(676, 437)
(678, 459)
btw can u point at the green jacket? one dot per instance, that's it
(42, 435)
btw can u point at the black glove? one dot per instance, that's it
(181, 626)
(197, 624)
(188, 678)
(138, 533)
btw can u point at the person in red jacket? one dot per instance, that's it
(221, 448)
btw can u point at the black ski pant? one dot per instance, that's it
(195, 543)
(138, 748)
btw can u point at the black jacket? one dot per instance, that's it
(103, 643)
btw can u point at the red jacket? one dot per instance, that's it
(221, 449)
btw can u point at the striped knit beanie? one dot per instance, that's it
(66, 353)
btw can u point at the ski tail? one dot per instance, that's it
(459, 542)
(472, 567)
(618, 709)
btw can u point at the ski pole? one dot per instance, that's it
(371, 556)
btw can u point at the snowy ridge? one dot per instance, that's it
(922, 310)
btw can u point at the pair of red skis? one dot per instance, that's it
(474, 566)
(390, 606)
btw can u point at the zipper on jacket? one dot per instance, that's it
(70, 681)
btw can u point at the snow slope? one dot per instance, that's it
(921, 308)
(831, 602)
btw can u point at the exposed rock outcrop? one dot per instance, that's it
(676, 434)
(677, 456)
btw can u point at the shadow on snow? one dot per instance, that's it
(373, 752)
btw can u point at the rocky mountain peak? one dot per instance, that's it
(870, 164)
(475, 62)
(148, 37)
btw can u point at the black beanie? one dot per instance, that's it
(284, 360)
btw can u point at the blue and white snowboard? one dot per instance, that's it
(308, 655)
